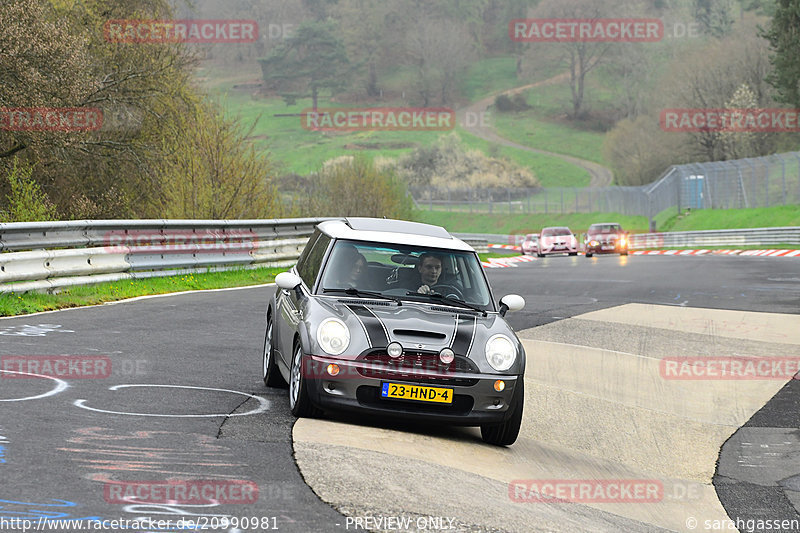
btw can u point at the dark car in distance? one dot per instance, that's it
(606, 238)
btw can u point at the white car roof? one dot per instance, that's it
(393, 232)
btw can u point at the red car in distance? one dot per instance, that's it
(606, 238)
(557, 240)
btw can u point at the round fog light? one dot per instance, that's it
(446, 356)
(394, 350)
(499, 385)
(333, 370)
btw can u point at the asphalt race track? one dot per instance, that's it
(169, 388)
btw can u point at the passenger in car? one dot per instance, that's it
(351, 269)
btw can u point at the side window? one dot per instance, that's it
(309, 264)
(301, 261)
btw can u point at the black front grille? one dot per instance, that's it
(371, 397)
(412, 365)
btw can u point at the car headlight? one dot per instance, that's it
(500, 352)
(333, 336)
(622, 241)
(593, 243)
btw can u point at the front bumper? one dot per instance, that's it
(606, 249)
(566, 249)
(475, 402)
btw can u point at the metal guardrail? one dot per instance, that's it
(52, 255)
(724, 237)
(721, 237)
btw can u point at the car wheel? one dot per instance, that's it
(589, 254)
(299, 401)
(539, 254)
(624, 253)
(272, 377)
(573, 253)
(505, 433)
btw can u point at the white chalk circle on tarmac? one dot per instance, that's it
(263, 403)
(61, 385)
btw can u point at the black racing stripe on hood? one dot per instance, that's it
(465, 331)
(376, 333)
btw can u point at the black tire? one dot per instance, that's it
(538, 254)
(624, 253)
(299, 401)
(589, 254)
(506, 433)
(271, 374)
(573, 253)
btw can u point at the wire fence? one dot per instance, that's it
(754, 182)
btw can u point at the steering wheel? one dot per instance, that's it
(448, 290)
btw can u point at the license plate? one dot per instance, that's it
(417, 392)
(608, 247)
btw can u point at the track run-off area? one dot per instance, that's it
(160, 414)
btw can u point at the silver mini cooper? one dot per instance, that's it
(395, 318)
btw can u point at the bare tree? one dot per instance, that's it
(579, 57)
(439, 50)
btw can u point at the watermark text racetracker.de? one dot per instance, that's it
(729, 368)
(632, 30)
(735, 120)
(379, 119)
(156, 241)
(180, 31)
(586, 491)
(64, 119)
(182, 492)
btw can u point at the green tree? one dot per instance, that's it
(783, 35)
(26, 202)
(314, 58)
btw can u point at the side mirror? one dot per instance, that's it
(511, 302)
(287, 281)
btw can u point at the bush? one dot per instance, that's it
(446, 164)
(505, 104)
(26, 202)
(353, 186)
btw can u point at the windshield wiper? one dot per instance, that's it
(447, 299)
(352, 291)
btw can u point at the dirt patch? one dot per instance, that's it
(379, 146)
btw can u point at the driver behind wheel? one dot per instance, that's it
(429, 268)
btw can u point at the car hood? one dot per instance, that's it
(427, 327)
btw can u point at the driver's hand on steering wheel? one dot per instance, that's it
(425, 290)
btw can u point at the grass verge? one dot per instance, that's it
(12, 304)
(669, 220)
(700, 219)
(504, 224)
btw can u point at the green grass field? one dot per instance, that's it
(528, 128)
(301, 151)
(762, 217)
(32, 302)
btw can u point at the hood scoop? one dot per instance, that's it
(419, 334)
(356, 301)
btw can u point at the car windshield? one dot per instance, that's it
(605, 228)
(556, 231)
(395, 270)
